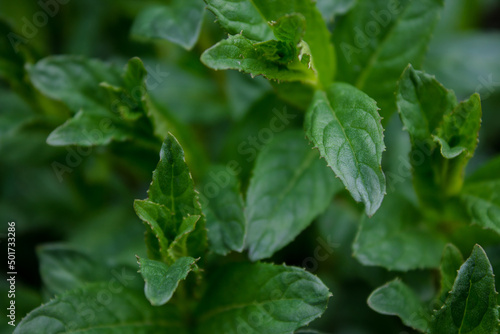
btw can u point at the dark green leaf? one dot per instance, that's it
(129, 100)
(396, 238)
(481, 194)
(431, 112)
(63, 268)
(472, 304)
(241, 17)
(377, 39)
(459, 131)
(179, 22)
(223, 206)
(160, 228)
(101, 308)
(289, 188)
(173, 187)
(161, 280)
(240, 53)
(289, 28)
(235, 16)
(260, 298)
(396, 298)
(87, 128)
(343, 123)
(74, 80)
(450, 264)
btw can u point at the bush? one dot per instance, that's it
(334, 183)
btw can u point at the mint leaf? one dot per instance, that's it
(129, 99)
(450, 264)
(396, 298)
(106, 102)
(179, 22)
(161, 280)
(235, 18)
(377, 39)
(481, 194)
(397, 238)
(343, 123)
(260, 298)
(223, 207)
(241, 17)
(430, 112)
(85, 310)
(289, 28)
(74, 80)
(459, 131)
(472, 304)
(280, 203)
(160, 228)
(88, 128)
(63, 268)
(180, 246)
(239, 53)
(173, 187)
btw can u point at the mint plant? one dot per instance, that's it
(292, 167)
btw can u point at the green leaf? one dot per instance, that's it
(241, 17)
(129, 100)
(377, 39)
(88, 128)
(173, 187)
(179, 246)
(63, 268)
(161, 280)
(179, 22)
(422, 102)
(101, 308)
(396, 298)
(450, 264)
(289, 188)
(106, 102)
(343, 123)
(460, 129)
(289, 28)
(396, 238)
(252, 19)
(472, 304)
(239, 53)
(223, 207)
(431, 112)
(74, 80)
(260, 298)
(481, 194)
(160, 228)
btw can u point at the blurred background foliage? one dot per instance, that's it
(90, 206)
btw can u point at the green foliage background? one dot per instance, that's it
(69, 198)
